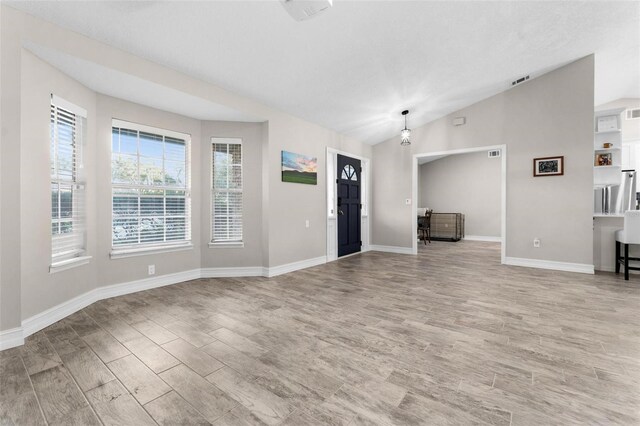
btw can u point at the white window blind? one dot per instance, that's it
(226, 196)
(67, 184)
(151, 200)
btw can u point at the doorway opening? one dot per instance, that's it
(348, 224)
(466, 191)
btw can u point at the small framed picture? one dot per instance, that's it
(604, 159)
(548, 166)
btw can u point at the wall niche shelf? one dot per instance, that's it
(607, 162)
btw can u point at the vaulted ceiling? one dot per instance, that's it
(357, 66)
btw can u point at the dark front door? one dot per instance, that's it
(349, 205)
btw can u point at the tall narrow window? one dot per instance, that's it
(67, 181)
(226, 197)
(151, 200)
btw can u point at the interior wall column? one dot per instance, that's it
(10, 291)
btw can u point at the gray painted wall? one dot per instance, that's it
(113, 271)
(291, 204)
(41, 290)
(549, 115)
(464, 183)
(276, 211)
(9, 178)
(251, 135)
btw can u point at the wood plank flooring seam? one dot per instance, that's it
(79, 389)
(34, 392)
(132, 353)
(186, 398)
(88, 390)
(366, 339)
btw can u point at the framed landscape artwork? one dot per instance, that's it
(548, 166)
(298, 168)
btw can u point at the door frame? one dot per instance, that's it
(503, 194)
(331, 205)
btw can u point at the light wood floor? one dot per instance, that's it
(447, 337)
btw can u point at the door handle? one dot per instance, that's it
(340, 212)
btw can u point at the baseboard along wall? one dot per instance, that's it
(15, 336)
(483, 238)
(582, 268)
(391, 249)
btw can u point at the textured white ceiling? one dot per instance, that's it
(354, 68)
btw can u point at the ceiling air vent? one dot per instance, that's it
(520, 80)
(633, 113)
(494, 153)
(459, 121)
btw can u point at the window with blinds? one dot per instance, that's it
(67, 185)
(226, 196)
(151, 200)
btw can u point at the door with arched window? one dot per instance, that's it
(349, 205)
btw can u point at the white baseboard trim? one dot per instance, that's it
(392, 249)
(147, 284)
(11, 338)
(582, 268)
(274, 271)
(44, 319)
(15, 336)
(241, 271)
(483, 238)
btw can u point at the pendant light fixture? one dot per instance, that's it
(405, 134)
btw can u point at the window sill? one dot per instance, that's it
(63, 265)
(122, 253)
(234, 244)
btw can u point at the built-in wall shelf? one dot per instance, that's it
(607, 160)
(608, 132)
(607, 155)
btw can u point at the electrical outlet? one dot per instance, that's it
(306, 223)
(536, 242)
(152, 269)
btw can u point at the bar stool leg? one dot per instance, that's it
(626, 262)
(617, 257)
